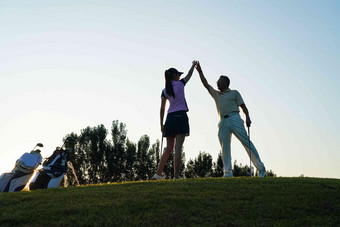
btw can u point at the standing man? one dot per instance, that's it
(227, 104)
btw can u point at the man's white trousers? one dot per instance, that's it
(235, 125)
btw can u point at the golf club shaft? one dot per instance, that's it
(161, 151)
(74, 172)
(38, 145)
(251, 172)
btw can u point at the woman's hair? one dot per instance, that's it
(169, 76)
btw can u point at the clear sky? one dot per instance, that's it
(66, 65)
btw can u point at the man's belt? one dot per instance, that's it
(231, 114)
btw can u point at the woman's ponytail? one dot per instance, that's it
(168, 85)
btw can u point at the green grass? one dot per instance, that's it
(191, 202)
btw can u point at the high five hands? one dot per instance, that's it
(198, 67)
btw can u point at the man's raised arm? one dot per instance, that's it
(204, 81)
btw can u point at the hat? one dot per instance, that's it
(173, 70)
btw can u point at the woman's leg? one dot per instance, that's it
(178, 154)
(170, 141)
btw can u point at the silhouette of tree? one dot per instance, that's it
(142, 158)
(153, 159)
(131, 156)
(88, 157)
(270, 173)
(116, 158)
(97, 160)
(239, 170)
(190, 169)
(203, 165)
(218, 166)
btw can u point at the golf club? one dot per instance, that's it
(74, 172)
(250, 172)
(38, 145)
(161, 151)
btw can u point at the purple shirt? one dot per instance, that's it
(178, 103)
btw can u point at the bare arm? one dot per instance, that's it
(203, 79)
(162, 110)
(191, 70)
(246, 112)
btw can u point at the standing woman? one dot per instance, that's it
(176, 126)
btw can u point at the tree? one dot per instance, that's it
(131, 156)
(142, 158)
(203, 165)
(88, 157)
(116, 157)
(74, 159)
(96, 140)
(240, 170)
(153, 159)
(218, 166)
(270, 173)
(97, 160)
(190, 170)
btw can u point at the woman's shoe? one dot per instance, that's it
(157, 177)
(179, 178)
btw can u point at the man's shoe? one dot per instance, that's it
(228, 173)
(262, 173)
(157, 177)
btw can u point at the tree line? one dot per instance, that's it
(97, 159)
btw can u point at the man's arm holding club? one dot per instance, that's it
(246, 112)
(203, 79)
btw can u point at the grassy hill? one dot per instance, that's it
(191, 202)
